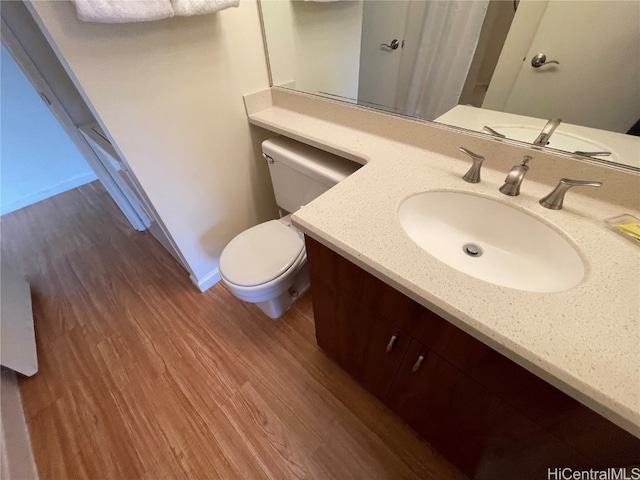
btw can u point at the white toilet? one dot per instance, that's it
(266, 264)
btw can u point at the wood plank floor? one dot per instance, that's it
(141, 376)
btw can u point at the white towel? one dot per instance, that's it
(201, 7)
(123, 11)
(126, 11)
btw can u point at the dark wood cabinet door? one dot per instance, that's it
(362, 342)
(445, 407)
(596, 440)
(362, 288)
(488, 415)
(472, 427)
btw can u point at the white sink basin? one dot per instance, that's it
(514, 249)
(559, 140)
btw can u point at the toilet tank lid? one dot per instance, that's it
(260, 254)
(323, 166)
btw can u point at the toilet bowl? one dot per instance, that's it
(266, 264)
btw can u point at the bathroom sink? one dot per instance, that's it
(492, 241)
(559, 140)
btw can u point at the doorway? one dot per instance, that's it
(27, 45)
(38, 159)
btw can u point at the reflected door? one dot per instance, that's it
(382, 22)
(590, 41)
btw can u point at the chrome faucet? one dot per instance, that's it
(555, 199)
(546, 132)
(515, 177)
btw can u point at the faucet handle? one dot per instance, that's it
(473, 175)
(556, 197)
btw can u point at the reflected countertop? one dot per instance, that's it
(625, 149)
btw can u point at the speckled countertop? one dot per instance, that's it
(585, 340)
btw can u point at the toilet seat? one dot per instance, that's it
(261, 254)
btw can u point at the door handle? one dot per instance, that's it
(541, 59)
(393, 46)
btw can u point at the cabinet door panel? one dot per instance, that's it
(490, 416)
(470, 425)
(441, 404)
(562, 416)
(362, 288)
(358, 340)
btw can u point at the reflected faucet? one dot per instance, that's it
(546, 132)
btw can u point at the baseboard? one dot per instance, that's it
(208, 281)
(47, 193)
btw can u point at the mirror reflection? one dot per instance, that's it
(507, 65)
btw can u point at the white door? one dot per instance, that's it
(123, 190)
(382, 23)
(599, 40)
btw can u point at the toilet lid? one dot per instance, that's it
(260, 254)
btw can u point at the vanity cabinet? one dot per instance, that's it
(489, 416)
(364, 343)
(442, 404)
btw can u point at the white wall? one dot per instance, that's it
(170, 94)
(35, 45)
(38, 158)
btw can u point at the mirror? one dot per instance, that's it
(509, 65)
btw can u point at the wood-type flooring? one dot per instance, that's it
(143, 377)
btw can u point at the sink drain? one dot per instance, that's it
(472, 250)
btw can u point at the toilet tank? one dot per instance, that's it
(300, 173)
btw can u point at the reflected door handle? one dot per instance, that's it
(541, 59)
(393, 46)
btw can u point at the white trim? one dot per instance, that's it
(47, 193)
(208, 281)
